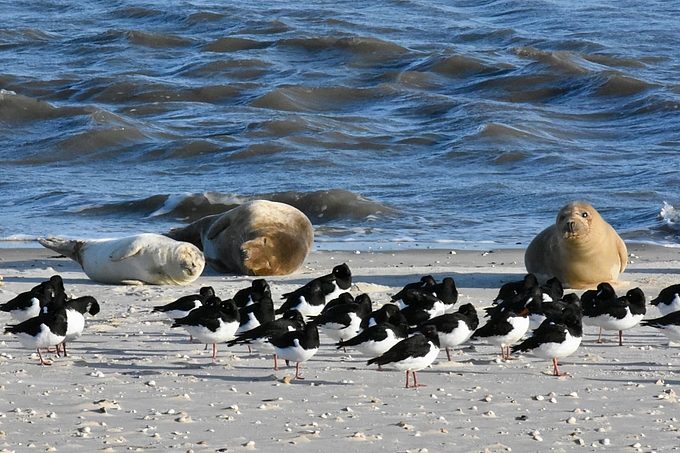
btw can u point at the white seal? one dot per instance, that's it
(142, 258)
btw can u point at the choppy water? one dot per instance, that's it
(386, 121)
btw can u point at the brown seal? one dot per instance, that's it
(581, 249)
(256, 238)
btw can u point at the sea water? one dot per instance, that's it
(445, 123)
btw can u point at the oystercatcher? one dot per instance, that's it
(297, 346)
(377, 339)
(668, 324)
(412, 354)
(504, 329)
(311, 298)
(455, 328)
(45, 330)
(28, 304)
(554, 340)
(421, 307)
(379, 316)
(426, 280)
(257, 290)
(668, 300)
(513, 289)
(214, 322)
(619, 313)
(260, 336)
(75, 319)
(343, 321)
(185, 304)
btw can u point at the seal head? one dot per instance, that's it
(581, 249)
(256, 238)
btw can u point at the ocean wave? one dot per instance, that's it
(17, 107)
(366, 46)
(156, 40)
(297, 98)
(235, 44)
(320, 206)
(461, 66)
(670, 217)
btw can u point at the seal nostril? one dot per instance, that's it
(244, 254)
(570, 226)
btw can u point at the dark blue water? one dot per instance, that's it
(387, 122)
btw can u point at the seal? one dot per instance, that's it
(142, 258)
(259, 237)
(581, 249)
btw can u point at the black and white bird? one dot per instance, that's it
(514, 294)
(669, 325)
(297, 346)
(75, 318)
(412, 354)
(313, 296)
(256, 314)
(421, 307)
(618, 313)
(28, 304)
(445, 292)
(377, 339)
(43, 331)
(668, 300)
(214, 322)
(343, 321)
(380, 315)
(258, 289)
(185, 304)
(455, 328)
(504, 329)
(554, 340)
(260, 336)
(512, 290)
(542, 308)
(342, 299)
(593, 300)
(425, 280)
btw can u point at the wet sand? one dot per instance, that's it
(131, 383)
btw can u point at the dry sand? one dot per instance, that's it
(133, 384)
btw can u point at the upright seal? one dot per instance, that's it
(145, 258)
(581, 249)
(256, 238)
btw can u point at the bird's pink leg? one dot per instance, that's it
(42, 361)
(297, 371)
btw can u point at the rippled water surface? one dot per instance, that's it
(385, 121)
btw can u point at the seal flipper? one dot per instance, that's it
(131, 249)
(192, 232)
(70, 248)
(221, 224)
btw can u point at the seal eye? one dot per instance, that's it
(584, 215)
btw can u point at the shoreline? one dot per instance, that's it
(133, 384)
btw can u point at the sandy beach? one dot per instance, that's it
(131, 383)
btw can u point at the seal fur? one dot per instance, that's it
(142, 258)
(259, 237)
(581, 249)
